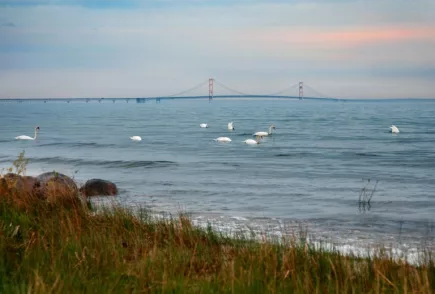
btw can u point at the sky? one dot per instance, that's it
(146, 48)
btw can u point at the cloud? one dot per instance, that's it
(410, 45)
(85, 3)
(7, 24)
(254, 46)
(347, 36)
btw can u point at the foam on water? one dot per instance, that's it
(298, 233)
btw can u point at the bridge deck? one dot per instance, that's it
(144, 99)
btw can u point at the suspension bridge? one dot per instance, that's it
(295, 91)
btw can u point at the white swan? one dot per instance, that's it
(230, 126)
(394, 129)
(271, 127)
(223, 139)
(136, 138)
(23, 137)
(203, 125)
(252, 141)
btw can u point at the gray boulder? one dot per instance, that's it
(19, 183)
(53, 185)
(98, 187)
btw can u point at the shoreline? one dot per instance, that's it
(224, 225)
(74, 246)
(244, 227)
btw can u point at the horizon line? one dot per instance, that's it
(206, 97)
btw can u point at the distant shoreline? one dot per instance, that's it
(153, 99)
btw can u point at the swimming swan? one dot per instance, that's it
(223, 139)
(230, 126)
(23, 137)
(252, 141)
(394, 129)
(203, 125)
(136, 138)
(272, 127)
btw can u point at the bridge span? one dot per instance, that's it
(234, 94)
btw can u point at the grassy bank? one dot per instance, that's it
(64, 247)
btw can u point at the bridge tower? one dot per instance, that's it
(210, 89)
(301, 90)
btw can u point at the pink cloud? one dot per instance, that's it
(357, 45)
(376, 35)
(340, 37)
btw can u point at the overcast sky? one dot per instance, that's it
(139, 48)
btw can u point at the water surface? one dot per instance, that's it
(310, 171)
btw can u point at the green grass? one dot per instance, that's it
(65, 247)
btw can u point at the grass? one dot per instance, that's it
(56, 246)
(47, 247)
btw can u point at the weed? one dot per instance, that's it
(19, 165)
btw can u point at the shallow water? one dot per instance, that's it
(310, 171)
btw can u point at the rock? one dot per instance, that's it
(98, 187)
(11, 177)
(18, 183)
(53, 185)
(29, 183)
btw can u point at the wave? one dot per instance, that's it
(296, 154)
(104, 163)
(285, 155)
(77, 144)
(231, 164)
(326, 154)
(244, 134)
(366, 154)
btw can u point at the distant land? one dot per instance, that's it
(220, 97)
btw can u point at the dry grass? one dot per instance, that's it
(50, 247)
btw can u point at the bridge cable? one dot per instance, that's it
(230, 89)
(283, 90)
(317, 92)
(188, 90)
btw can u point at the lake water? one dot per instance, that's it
(308, 174)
